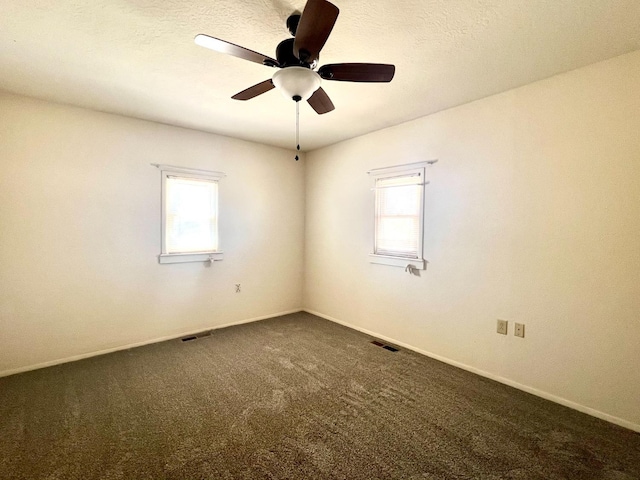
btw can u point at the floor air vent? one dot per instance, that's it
(386, 347)
(196, 336)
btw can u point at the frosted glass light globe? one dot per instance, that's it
(296, 81)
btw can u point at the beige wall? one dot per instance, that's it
(532, 215)
(80, 232)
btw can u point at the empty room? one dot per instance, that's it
(346, 239)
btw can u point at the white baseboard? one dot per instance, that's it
(534, 391)
(81, 356)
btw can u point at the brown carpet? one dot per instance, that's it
(295, 397)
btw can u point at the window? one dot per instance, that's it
(189, 215)
(398, 219)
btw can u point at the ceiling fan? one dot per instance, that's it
(297, 59)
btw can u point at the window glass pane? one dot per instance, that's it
(191, 215)
(398, 201)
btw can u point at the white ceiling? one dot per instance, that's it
(137, 57)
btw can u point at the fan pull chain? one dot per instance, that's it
(297, 128)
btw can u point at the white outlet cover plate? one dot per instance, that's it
(502, 327)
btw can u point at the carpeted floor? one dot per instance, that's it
(295, 397)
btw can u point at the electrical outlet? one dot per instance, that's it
(519, 330)
(503, 326)
(237, 288)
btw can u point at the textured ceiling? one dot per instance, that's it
(137, 57)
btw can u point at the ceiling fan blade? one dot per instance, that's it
(232, 49)
(254, 91)
(316, 23)
(321, 102)
(357, 72)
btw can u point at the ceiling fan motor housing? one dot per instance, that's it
(296, 82)
(286, 57)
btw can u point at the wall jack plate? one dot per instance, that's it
(519, 330)
(503, 327)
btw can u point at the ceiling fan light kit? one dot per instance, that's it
(297, 59)
(296, 82)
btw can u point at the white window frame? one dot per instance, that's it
(418, 168)
(182, 172)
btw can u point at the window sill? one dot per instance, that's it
(418, 263)
(190, 257)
